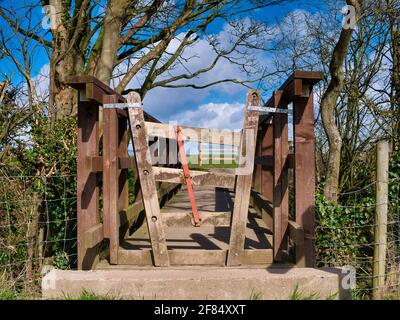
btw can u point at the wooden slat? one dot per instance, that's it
(147, 183)
(257, 256)
(177, 257)
(204, 135)
(94, 164)
(199, 178)
(263, 207)
(267, 150)
(304, 148)
(110, 178)
(184, 219)
(268, 161)
(195, 257)
(296, 233)
(281, 196)
(123, 186)
(87, 184)
(127, 163)
(244, 180)
(94, 236)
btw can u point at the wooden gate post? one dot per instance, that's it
(380, 232)
(87, 181)
(110, 177)
(280, 187)
(304, 175)
(243, 181)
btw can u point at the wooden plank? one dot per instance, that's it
(147, 182)
(280, 191)
(110, 178)
(94, 236)
(304, 182)
(263, 207)
(257, 256)
(268, 161)
(204, 135)
(94, 164)
(123, 186)
(127, 163)
(244, 180)
(199, 178)
(296, 233)
(267, 150)
(177, 257)
(184, 219)
(87, 183)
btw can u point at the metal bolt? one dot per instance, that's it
(154, 218)
(145, 172)
(138, 126)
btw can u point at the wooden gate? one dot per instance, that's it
(264, 186)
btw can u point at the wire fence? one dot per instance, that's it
(38, 228)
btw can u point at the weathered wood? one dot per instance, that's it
(87, 183)
(257, 256)
(244, 180)
(229, 138)
(296, 234)
(263, 207)
(148, 186)
(280, 177)
(199, 178)
(110, 178)
(267, 150)
(94, 236)
(182, 257)
(184, 219)
(123, 191)
(94, 164)
(380, 232)
(304, 172)
(127, 163)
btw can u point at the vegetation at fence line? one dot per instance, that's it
(358, 103)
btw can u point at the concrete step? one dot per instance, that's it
(188, 283)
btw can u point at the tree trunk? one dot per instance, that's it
(328, 104)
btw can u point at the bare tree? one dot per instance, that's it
(88, 37)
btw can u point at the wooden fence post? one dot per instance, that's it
(87, 181)
(380, 232)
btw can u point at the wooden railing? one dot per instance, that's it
(270, 194)
(104, 161)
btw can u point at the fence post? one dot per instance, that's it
(380, 233)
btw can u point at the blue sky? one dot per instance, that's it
(220, 106)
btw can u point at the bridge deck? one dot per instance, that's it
(182, 235)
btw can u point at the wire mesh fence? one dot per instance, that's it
(38, 227)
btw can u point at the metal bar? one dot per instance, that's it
(122, 105)
(269, 110)
(186, 171)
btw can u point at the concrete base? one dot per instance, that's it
(196, 283)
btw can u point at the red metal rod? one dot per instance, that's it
(188, 180)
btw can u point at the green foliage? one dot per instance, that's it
(342, 231)
(89, 295)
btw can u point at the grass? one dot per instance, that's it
(194, 162)
(298, 295)
(89, 295)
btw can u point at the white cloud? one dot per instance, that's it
(214, 115)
